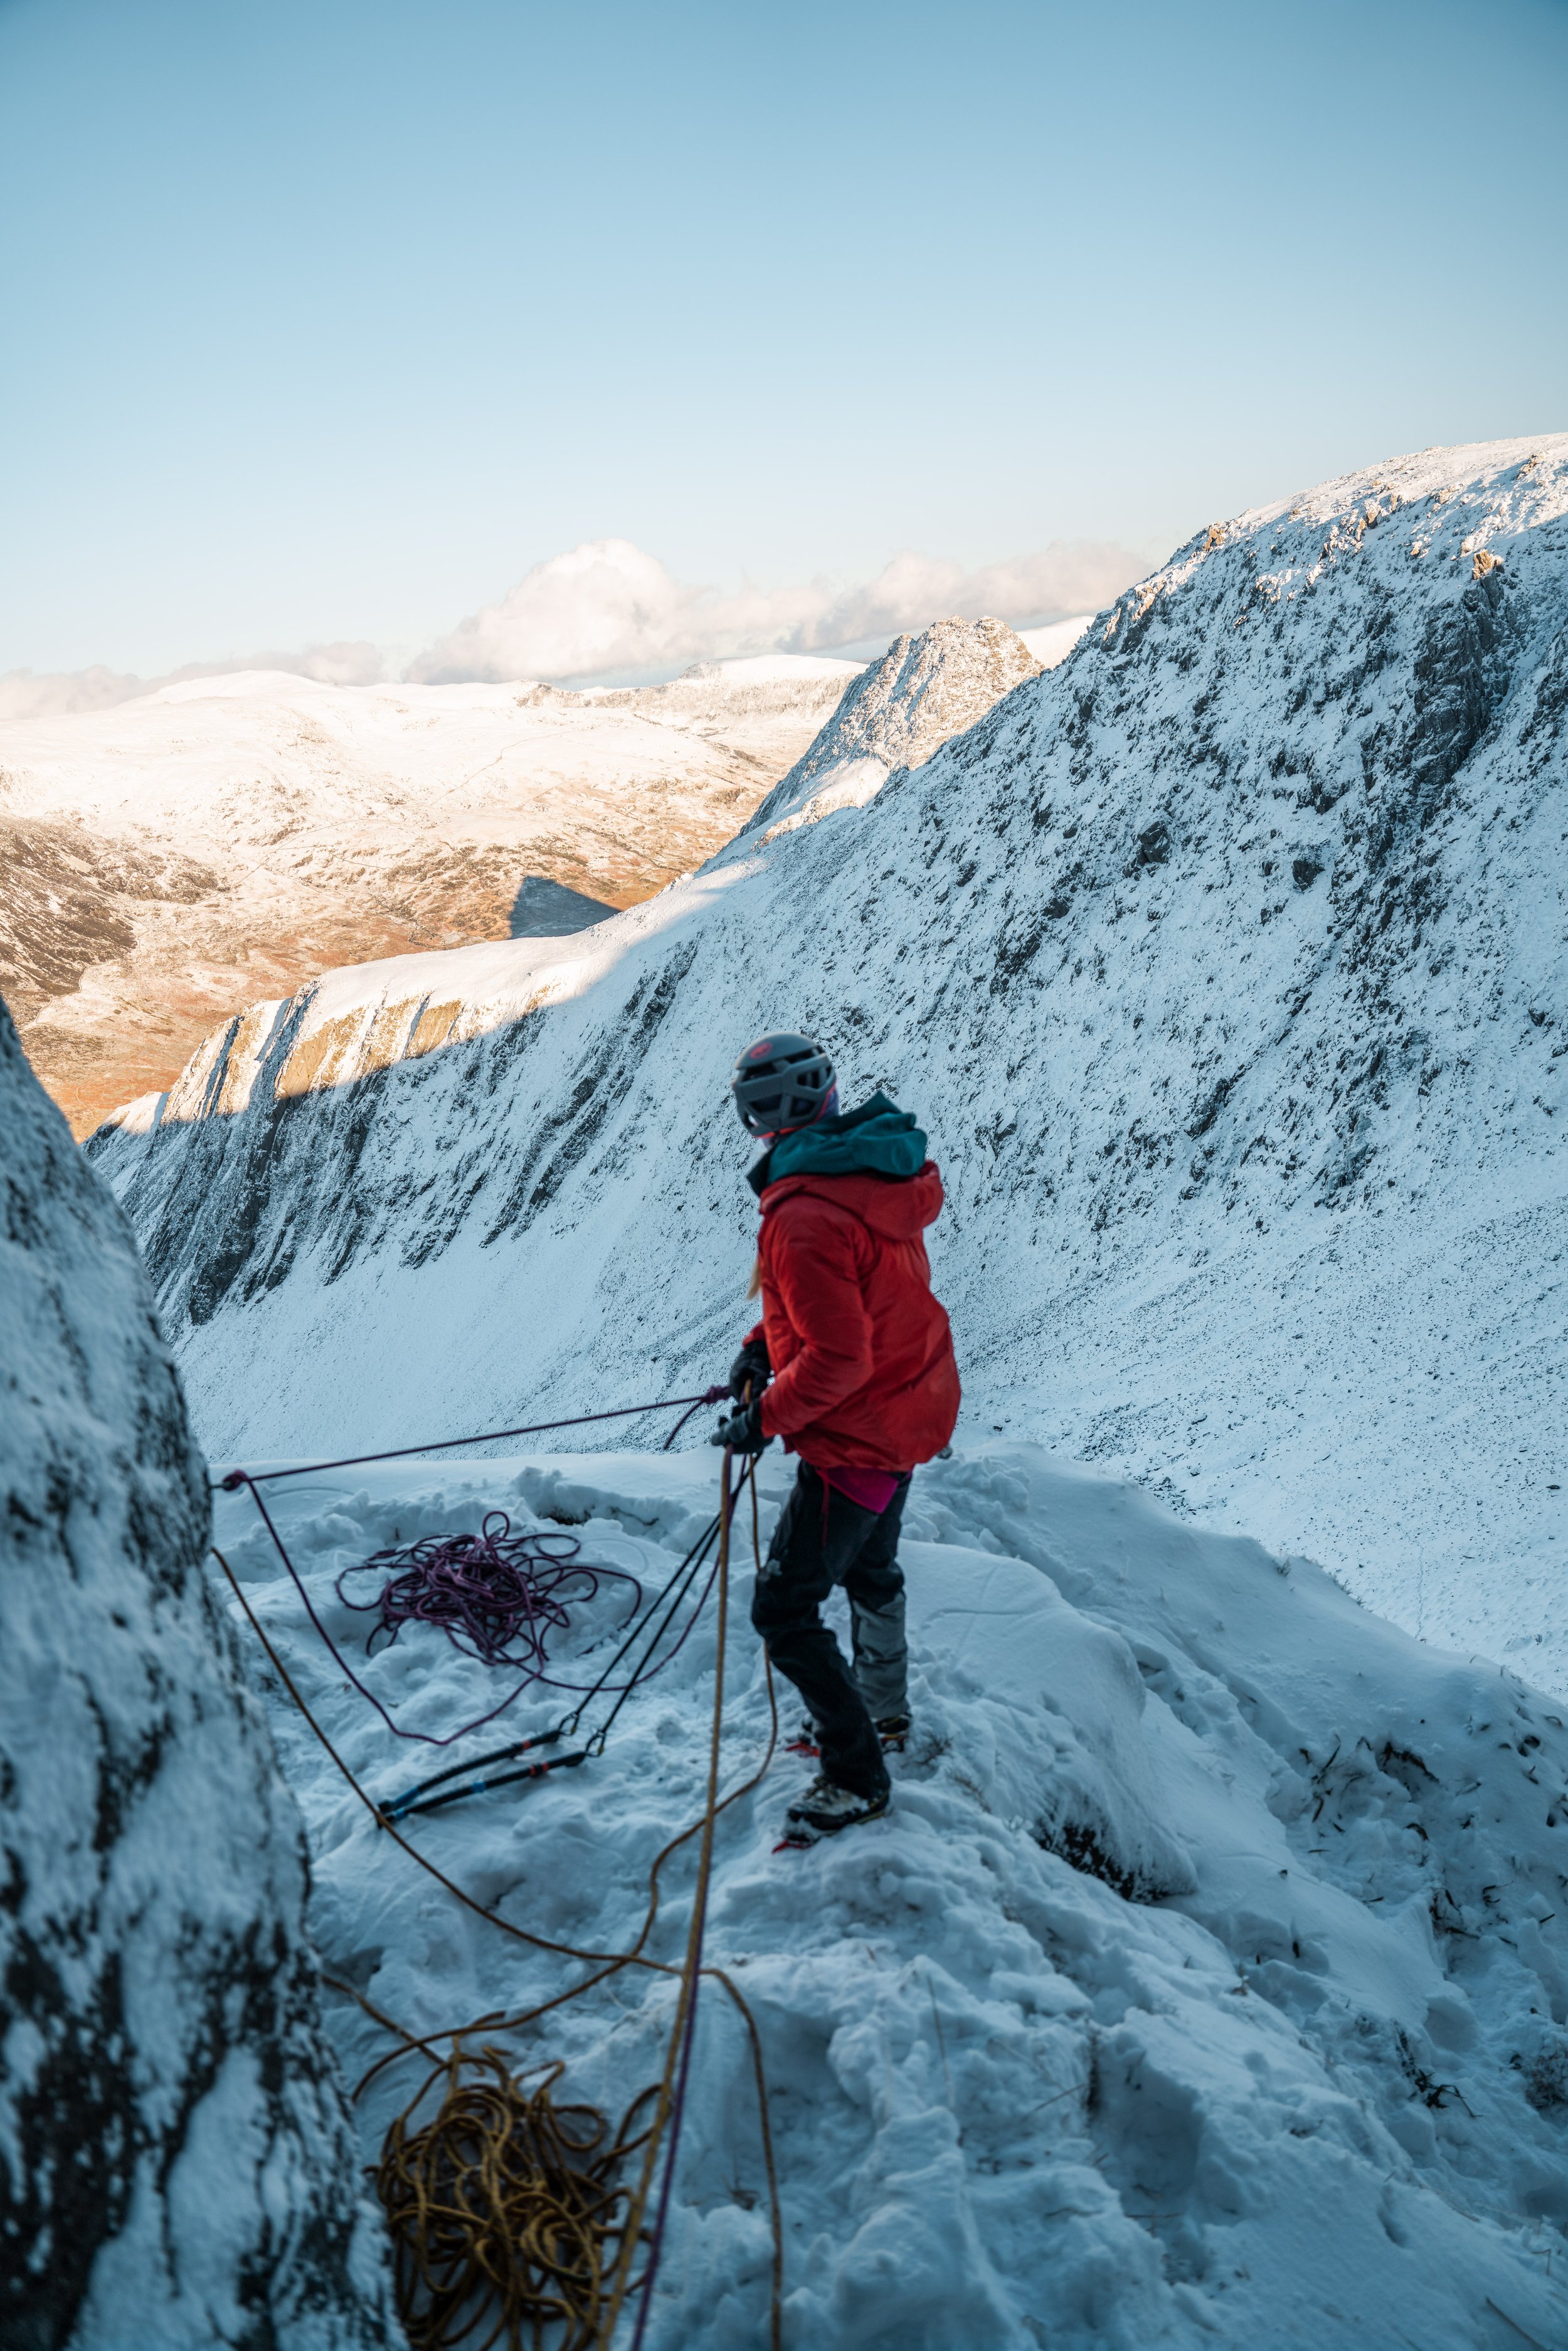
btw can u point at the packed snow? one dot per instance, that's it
(1280, 2060)
(1225, 966)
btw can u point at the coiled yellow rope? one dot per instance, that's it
(502, 2211)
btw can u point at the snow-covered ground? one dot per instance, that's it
(1309, 2086)
(1225, 965)
(172, 857)
(1202, 1985)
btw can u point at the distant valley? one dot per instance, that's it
(169, 859)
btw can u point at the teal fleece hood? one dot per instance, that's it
(878, 1139)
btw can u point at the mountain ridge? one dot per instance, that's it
(897, 714)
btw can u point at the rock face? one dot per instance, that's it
(176, 2164)
(898, 712)
(171, 858)
(1224, 963)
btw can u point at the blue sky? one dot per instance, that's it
(331, 320)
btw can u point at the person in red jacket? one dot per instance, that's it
(852, 1365)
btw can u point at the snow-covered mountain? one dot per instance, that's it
(165, 860)
(1225, 964)
(897, 714)
(177, 2164)
(1203, 1983)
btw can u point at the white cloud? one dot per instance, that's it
(609, 610)
(24, 695)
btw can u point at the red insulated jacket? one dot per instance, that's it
(863, 1357)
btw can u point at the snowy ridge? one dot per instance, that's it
(362, 1018)
(177, 2160)
(1308, 2088)
(1225, 965)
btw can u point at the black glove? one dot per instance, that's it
(742, 1432)
(751, 1367)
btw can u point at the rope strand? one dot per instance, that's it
(671, 2107)
(238, 1478)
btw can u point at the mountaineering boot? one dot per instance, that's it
(806, 1741)
(826, 1808)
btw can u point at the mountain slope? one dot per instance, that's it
(168, 858)
(897, 714)
(1225, 964)
(176, 2157)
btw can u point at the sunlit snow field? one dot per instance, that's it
(1307, 2085)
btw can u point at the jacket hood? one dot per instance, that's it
(898, 1211)
(879, 1139)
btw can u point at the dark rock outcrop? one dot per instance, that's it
(176, 2164)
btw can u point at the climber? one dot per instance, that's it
(863, 1388)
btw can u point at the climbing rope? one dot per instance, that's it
(671, 2108)
(488, 1593)
(432, 1793)
(469, 2284)
(502, 2207)
(484, 1589)
(238, 1478)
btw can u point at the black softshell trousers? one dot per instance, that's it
(823, 1538)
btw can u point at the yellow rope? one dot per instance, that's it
(694, 1944)
(501, 2209)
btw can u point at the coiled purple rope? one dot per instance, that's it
(497, 1595)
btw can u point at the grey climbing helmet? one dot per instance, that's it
(781, 1082)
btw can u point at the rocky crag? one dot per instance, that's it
(897, 714)
(177, 2167)
(1226, 965)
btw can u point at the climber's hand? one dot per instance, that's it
(742, 1432)
(750, 1371)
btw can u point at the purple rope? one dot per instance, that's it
(532, 1673)
(496, 1595)
(678, 2115)
(425, 1738)
(709, 1395)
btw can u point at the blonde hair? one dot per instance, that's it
(754, 1286)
